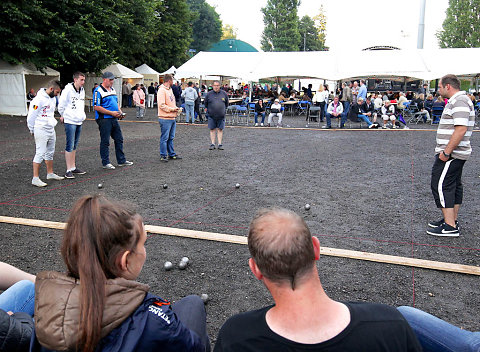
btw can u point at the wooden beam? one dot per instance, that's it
(221, 237)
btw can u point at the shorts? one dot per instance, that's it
(44, 145)
(386, 117)
(214, 123)
(72, 134)
(446, 183)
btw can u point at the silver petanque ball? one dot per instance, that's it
(168, 266)
(182, 265)
(100, 185)
(237, 185)
(165, 186)
(307, 206)
(185, 260)
(204, 298)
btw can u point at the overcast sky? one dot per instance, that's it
(354, 24)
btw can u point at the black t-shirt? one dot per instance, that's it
(373, 327)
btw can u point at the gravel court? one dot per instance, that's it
(369, 191)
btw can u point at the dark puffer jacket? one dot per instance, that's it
(15, 331)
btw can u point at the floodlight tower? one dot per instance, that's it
(421, 25)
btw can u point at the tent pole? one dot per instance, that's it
(250, 91)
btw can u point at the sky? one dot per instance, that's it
(351, 24)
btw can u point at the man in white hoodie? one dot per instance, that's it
(71, 107)
(41, 123)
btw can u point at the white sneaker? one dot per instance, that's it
(256, 125)
(54, 177)
(261, 124)
(109, 167)
(37, 182)
(406, 128)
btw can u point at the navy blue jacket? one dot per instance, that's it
(152, 327)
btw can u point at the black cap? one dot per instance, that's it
(108, 75)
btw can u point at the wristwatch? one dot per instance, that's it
(445, 154)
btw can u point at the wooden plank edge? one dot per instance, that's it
(221, 237)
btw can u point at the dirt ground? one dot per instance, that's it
(369, 191)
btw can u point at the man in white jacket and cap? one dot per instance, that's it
(71, 107)
(41, 123)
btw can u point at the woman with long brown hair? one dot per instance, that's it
(97, 306)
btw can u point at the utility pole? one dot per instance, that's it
(304, 40)
(421, 25)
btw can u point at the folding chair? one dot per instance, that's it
(302, 107)
(437, 112)
(242, 114)
(230, 114)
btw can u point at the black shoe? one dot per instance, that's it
(444, 230)
(69, 174)
(175, 157)
(440, 222)
(77, 171)
(220, 147)
(212, 147)
(164, 159)
(325, 126)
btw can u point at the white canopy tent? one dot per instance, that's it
(121, 72)
(16, 81)
(335, 65)
(149, 74)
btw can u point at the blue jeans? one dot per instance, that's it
(110, 128)
(19, 297)
(329, 119)
(190, 311)
(263, 117)
(189, 107)
(72, 134)
(365, 118)
(437, 335)
(167, 128)
(346, 109)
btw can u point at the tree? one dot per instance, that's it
(309, 35)
(321, 25)
(207, 26)
(229, 32)
(281, 26)
(461, 27)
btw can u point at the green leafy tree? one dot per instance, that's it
(281, 26)
(309, 35)
(207, 26)
(171, 42)
(461, 27)
(321, 25)
(229, 32)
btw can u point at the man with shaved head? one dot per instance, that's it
(303, 317)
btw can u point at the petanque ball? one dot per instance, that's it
(204, 297)
(237, 185)
(100, 186)
(182, 265)
(168, 266)
(307, 206)
(185, 260)
(165, 186)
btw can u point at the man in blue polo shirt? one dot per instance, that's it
(107, 114)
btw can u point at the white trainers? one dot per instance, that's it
(54, 177)
(37, 182)
(109, 167)
(256, 125)
(261, 124)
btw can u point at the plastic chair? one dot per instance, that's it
(242, 114)
(437, 112)
(302, 107)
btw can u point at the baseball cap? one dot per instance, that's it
(108, 75)
(277, 100)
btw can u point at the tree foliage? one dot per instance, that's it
(461, 27)
(309, 35)
(281, 26)
(229, 32)
(207, 26)
(88, 35)
(321, 25)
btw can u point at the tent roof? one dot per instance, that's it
(232, 45)
(170, 71)
(27, 69)
(335, 65)
(146, 70)
(121, 71)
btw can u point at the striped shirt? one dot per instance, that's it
(459, 111)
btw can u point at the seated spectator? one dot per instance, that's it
(429, 103)
(419, 101)
(401, 99)
(275, 110)
(438, 104)
(293, 95)
(368, 109)
(388, 114)
(282, 97)
(334, 110)
(97, 305)
(436, 335)
(357, 110)
(378, 102)
(304, 318)
(16, 308)
(259, 110)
